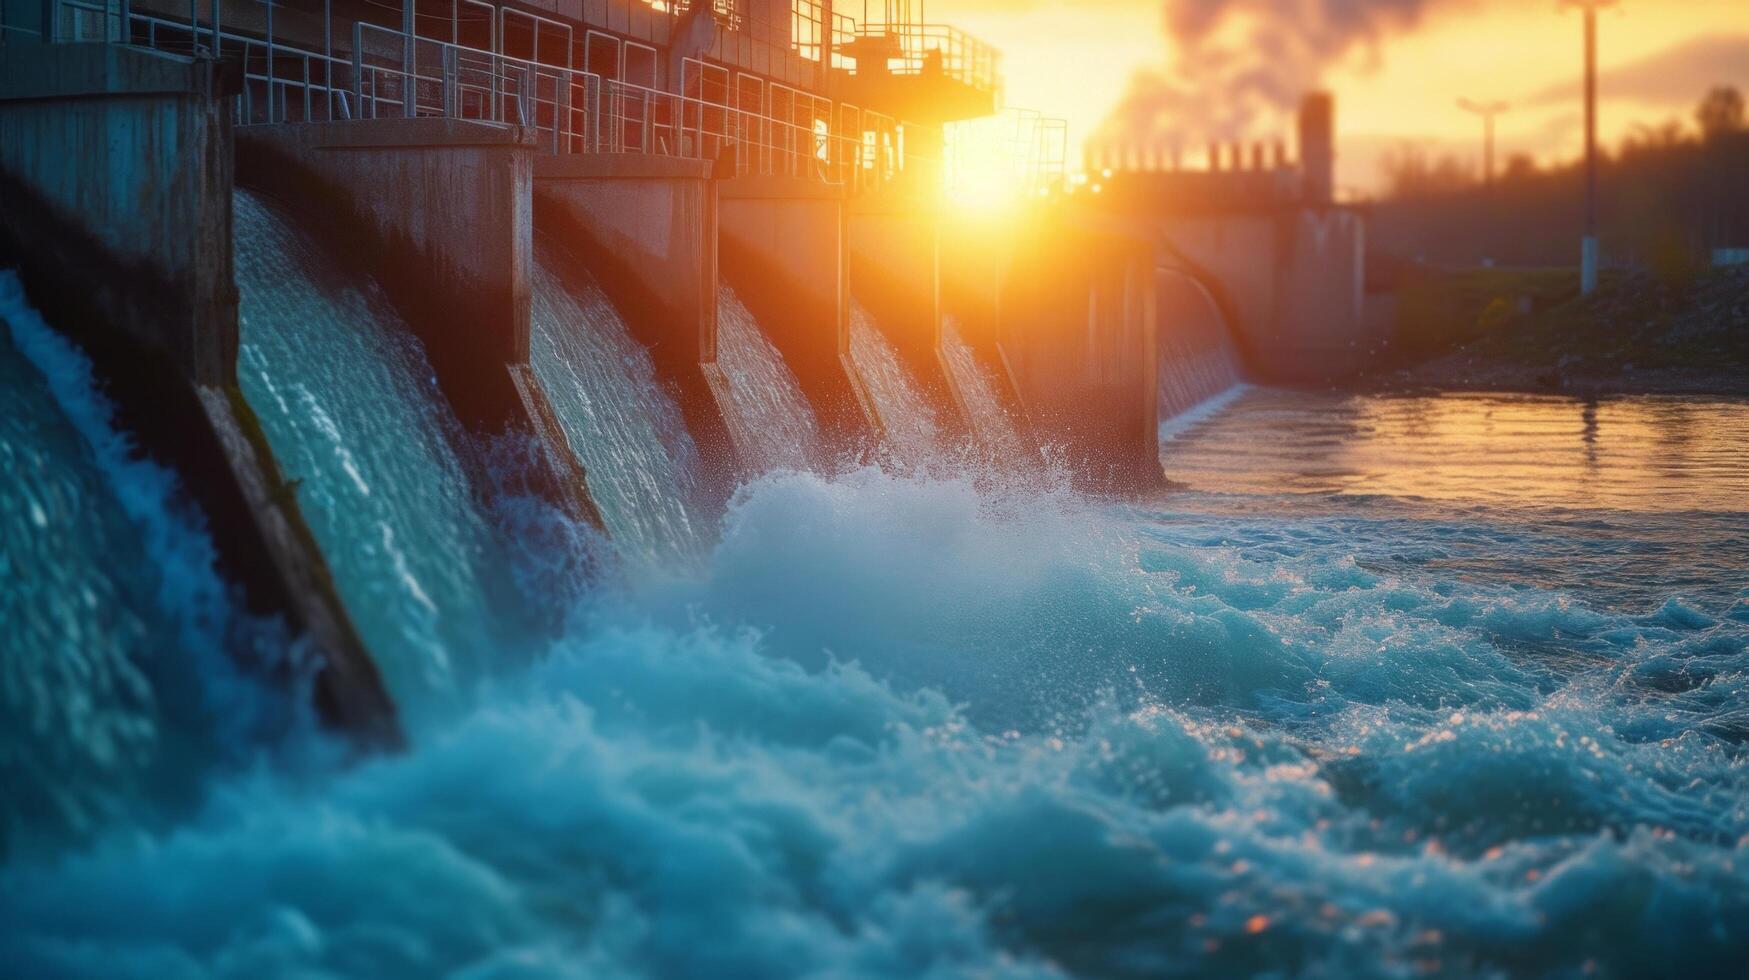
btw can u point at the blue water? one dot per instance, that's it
(1198, 360)
(1345, 707)
(352, 410)
(626, 429)
(980, 396)
(769, 419)
(912, 434)
(118, 691)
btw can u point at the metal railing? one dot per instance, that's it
(770, 129)
(85, 20)
(281, 83)
(937, 49)
(813, 39)
(398, 75)
(66, 21)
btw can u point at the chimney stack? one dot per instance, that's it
(1318, 148)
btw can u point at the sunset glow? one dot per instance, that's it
(1074, 60)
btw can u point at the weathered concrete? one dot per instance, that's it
(127, 145)
(440, 211)
(646, 227)
(115, 185)
(895, 273)
(1198, 357)
(1080, 335)
(1291, 282)
(783, 248)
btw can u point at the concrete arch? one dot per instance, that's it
(1197, 351)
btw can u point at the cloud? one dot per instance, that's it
(1678, 76)
(1234, 62)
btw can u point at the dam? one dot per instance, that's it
(614, 264)
(558, 488)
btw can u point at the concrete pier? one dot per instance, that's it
(783, 248)
(977, 253)
(646, 228)
(1080, 332)
(441, 209)
(115, 187)
(1291, 282)
(895, 273)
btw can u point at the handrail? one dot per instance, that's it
(89, 20)
(923, 49)
(425, 77)
(386, 73)
(322, 95)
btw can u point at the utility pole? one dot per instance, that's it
(1588, 246)
(1487, 110)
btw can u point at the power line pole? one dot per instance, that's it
(1487, 110)
(1588, 246)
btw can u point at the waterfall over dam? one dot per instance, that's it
(374, 455)
(643, 465)
(913, 432)
(1198, 358)
(131, 670)
(1378, 685)
(979, 390)
(768, 416)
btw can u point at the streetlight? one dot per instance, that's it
(1588, 247)
(1487, 110)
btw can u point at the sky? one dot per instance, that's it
(1396, 83)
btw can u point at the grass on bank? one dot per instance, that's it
(1696, 323)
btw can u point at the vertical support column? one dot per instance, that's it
(785, 250)
(1318, 149)
(646, 227)
(895, 272)
(446, 209)
(115, 183)
(1079, 330)
(1588, 253)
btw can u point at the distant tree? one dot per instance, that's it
(1520, 166)
(1409, 172)
(1721, 112)
(1652, 139)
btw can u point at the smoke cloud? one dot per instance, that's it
(1234, 64)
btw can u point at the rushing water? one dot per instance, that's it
(1348, 707)
(768, 416)
(356, 421)
(117, 684)
(908, 420)
(625, 428)
(1197, 358)
(978, 388)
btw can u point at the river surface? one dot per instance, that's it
(1625, 501)
(1397, 687)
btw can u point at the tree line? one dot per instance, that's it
(1670, 194)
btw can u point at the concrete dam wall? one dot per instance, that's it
(409, 366)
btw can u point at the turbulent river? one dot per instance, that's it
(1396, 686)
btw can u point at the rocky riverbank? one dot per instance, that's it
(1529, 331)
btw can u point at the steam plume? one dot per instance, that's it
(1234, 63)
